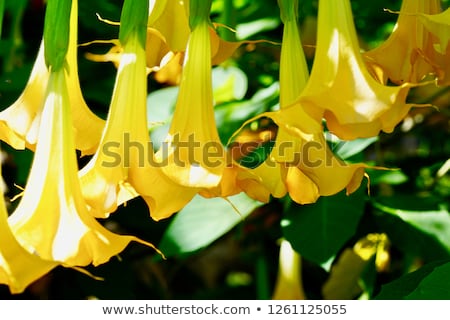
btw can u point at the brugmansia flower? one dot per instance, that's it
(171, 19)
(273, 174)
(193, 121)
(289, 282)
(408, 54)
(192, 154)
(20, 122)
(301, 161)
(124, 167)
(341, 89)
(52, 219)
(18, 267)
(107, 172)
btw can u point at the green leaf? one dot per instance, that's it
(231, 116)
(248, 29)
(229, 83)
(392, 177)
(203, 221)
(318, 231)
(429, 282)
(348, 149)
(433, 223)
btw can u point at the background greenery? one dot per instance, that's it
(213, 253)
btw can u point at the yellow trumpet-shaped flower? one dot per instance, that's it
(167, 37)
(405, 55)
(171, 19)
(301, 162)
(20, 122)
(52, 219)
(192, 154)
(439, 26)
(274, 174)
(340, 87)
(193, 134)
(123, 167)
(18, 267)
(289, 282)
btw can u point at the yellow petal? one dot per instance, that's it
(52, 219)
(162, 195)
(170, 17)
(403, 56)
(18, 267)
(341, 89)
(125, 144)
(20, 122)
(192, 150)
(237, 179)
(300, 187)
(289, 284)
(439, 26)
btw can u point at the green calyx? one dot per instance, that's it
(199, 12)
(56, 32)
(288, 10)
(134, 20)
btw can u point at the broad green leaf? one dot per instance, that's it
(203, 221)
(229, 83)
(248, 29)
(318, 231)
(435, 224)
(392, 177)
(160, 104)
(435, 286)
(348, 149)
(231, 116)
(429, 282)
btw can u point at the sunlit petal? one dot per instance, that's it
(20, 122)
(404, 56)
(52, 219)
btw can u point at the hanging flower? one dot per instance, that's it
(341, 89)
(20, 122)
(192, 154)
(289, 282)
(168, 32)
(124, 166)
(301, 162)
(408, 54)
(439, 26)
(193, 127)
(52, 219)
(18, 267)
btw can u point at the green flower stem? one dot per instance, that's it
(228, 18)
(262, 278)
(288, 10)
(199, 12)
(56, 32)
(134, 19)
